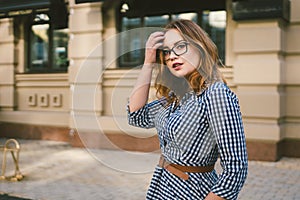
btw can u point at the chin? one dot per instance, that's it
(179, 74)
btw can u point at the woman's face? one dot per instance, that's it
(180, 56)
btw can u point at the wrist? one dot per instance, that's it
(149, 66)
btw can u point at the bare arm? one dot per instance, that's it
(140, 93)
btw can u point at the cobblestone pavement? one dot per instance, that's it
(55, 171)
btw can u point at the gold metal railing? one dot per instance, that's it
(12, 146)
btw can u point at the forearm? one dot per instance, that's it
(140, 93)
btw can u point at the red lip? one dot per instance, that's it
(177, 66)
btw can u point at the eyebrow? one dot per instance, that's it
(166, 47)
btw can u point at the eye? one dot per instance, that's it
(166, 52)
(180, 46)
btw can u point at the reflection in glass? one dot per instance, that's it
(39, 46)
(189, 16)
(47, 47)
(214, 23)
(60, 49)
(130, 42)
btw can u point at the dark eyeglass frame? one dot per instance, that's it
(167, 52)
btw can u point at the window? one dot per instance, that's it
(213, 22)
(47, 47)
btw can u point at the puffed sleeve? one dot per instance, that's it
(145, 116)
(226, 123)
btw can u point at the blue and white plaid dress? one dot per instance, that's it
(194, 133)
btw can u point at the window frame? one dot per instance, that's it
(199, 21)
(50, 67)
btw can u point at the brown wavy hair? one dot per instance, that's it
(206, 73)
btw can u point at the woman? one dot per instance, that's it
(196, 115)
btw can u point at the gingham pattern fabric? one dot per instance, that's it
(194, 133)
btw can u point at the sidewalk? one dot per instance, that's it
(54, 171)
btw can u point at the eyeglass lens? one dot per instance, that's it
(178, 49)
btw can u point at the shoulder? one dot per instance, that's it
(218, 91)
(217, 86)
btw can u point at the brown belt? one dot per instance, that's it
(179, 170)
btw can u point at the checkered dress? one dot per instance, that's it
(194, 133)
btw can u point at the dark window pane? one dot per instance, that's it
(190, 16)
(60, 49)
(156, 21)
(130, 44)
(48, 47)
(214, 23)
(39, 44)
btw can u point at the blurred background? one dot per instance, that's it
(67, 68)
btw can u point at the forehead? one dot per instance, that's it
(171, 37)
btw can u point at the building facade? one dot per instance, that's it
(68, 67)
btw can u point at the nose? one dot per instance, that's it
(173, 55)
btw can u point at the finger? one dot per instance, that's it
(156, 36)
(157, 45)
(152, 43)
(157, 33)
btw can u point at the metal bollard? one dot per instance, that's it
(12, 146)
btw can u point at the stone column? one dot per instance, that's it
(259, 73)
(7, 65)
(85, 71)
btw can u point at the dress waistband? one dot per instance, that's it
(179, 170)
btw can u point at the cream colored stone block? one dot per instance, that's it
(56, 100)
(295, 14)
(6, 30)
(117, 125)
(89, 71)
(86, 98)
(260, 101)
(84, 122)
(258, 69)
(292, 130)
(228, 75)
(7, 53)
(293, 102)
(86, 45)
(115, 100)
(257, 38)
(43, 92)
(6, 74)
(262, 131)
(73, 70)
(292, 38)
(292, 69)
(7, 96)
(43, 99)
(111, 53)
(117, 87)
(32, 100)
(86, 18)
(42, 80)
(120, 78)
(85, 71)
(60, 119)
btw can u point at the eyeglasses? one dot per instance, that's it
(179, 49)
